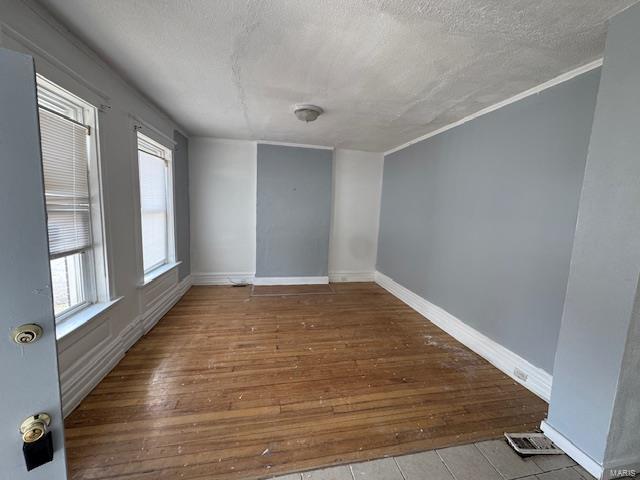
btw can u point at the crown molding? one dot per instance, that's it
(520, 96)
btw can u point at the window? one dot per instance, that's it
(69, 161)
(156, 203)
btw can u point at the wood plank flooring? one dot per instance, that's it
(277, 290)
(234, 386)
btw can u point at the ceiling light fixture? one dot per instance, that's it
(307, 113)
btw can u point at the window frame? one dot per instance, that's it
(95, 278)
(161, 151)
(88, 285)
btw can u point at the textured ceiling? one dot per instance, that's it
(386, 72)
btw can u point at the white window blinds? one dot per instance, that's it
(153, 203)
(66, 184)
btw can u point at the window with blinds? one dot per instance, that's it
(65, 146)
(66, 183)
(153, 168)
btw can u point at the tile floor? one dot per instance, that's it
(490, 460)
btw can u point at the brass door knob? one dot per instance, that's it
(34, 427)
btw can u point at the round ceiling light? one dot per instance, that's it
(307, 113)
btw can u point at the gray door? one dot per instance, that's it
(29, 381)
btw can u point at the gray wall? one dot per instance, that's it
(293, 211)
(623, 441)
(480, 219)
(591, 363)
(181, 188)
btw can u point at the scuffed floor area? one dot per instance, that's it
(234, 386)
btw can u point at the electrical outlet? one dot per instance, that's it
(520, 374)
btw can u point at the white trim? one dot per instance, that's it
(157, 298)
(158, 272)
(589, 464)
(171, 253)
(222, 141)
(77, 380)
(291, 280)
(53, 60)
(184, 285)
(131, 334)
(536, 379)
(135, 200)
(147, 126)
(94, 259)
(532, 91)
(153, 315)
(222, 278)
(299, 145)
(346, 276)
(71, 323)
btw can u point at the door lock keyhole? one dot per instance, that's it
(27, 333)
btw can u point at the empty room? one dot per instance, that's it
(319, 240)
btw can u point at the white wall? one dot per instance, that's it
(357, 182)
(223, 210)
(88, 352)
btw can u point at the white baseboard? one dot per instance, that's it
(78, 382)
(222, 278)
(290, 280)
(234, 278)
(131, 334)
(535, 379)
(184, 285)
(163, 304)
(345, 276)
(157, 299)
(589, 464)
(82, 376)
(153, 316)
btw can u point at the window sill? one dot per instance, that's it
(158, 272)
(84, 316)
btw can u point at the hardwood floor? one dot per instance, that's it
(230, 386)
(276, 290)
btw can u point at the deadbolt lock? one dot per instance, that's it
(27, 333)
(35, 427)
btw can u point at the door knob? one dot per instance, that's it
(35, 427)
(38, 443)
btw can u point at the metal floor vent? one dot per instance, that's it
(532, 443)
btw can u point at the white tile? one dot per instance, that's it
(292, 476)
(467, 463)
(332, 473)
(384, 469)
(553, 462)
(507, 462)
(423, 466)
(563, 474)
